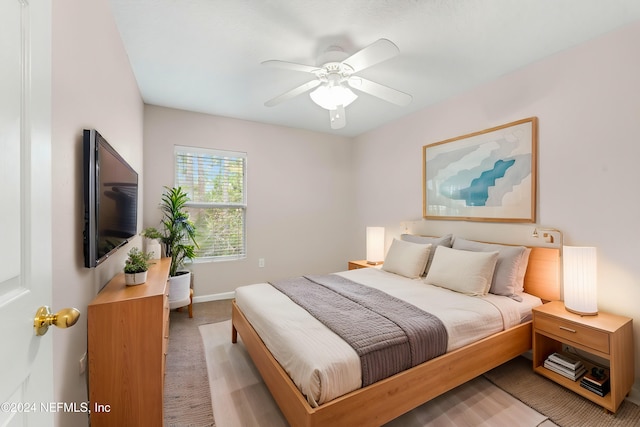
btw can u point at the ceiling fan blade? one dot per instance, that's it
(383, 92)
(337, 117)
(376, 52)
(290, 66)
(292, 93)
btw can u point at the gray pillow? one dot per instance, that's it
(508, 266)
(433, 241)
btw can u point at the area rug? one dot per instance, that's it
(562, 406)
(240, 398)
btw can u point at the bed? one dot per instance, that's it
(384, 400)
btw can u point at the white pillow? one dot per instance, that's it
(462, 271)
(506, 279)
(406, 258)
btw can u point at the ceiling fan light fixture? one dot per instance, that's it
(334, 75)
(330, 96)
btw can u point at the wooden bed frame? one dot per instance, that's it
(385, 400)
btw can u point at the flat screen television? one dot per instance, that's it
(110, 199)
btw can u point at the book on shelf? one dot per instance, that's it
(597, 381)
(600, 391)
(567, 361)
(598, 377)
(564, 371)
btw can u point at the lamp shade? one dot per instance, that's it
(375, 245)
(580, 280)
(329, 96)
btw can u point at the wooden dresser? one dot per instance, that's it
(128, 332)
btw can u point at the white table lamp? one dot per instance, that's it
(375, 245)
(580, 280)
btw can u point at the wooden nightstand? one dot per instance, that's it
(606, 336)
(354, 265)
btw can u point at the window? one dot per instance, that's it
(216, 183)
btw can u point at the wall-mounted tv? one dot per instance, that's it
(110, 199)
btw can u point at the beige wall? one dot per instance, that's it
(92, 87)
(299, 194)
(587, 100)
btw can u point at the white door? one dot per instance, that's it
(26, 368)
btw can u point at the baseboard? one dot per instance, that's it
(214, 297)
(634, 395)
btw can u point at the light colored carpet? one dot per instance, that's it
(241, 399)
(187, 402)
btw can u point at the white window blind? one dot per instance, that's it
(216, 183)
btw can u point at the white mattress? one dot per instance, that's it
(324, 367)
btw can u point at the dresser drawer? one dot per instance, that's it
(571, 332)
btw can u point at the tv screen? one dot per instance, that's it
(110, 199)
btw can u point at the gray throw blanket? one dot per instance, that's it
(387, 333)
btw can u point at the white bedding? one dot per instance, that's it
(324, 367)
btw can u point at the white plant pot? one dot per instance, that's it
(152, 245)
(179, 287)
(131, 279)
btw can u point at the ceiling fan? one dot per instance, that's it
(336, 76)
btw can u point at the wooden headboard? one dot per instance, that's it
(543, 274)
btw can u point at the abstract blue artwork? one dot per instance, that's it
(483, 176)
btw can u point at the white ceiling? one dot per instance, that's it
(205, 55)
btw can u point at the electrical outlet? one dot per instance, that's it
(83, 363)
(260, 262)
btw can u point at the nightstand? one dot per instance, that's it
(607, 336)
(354, 265)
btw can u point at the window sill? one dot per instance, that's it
(206, 260)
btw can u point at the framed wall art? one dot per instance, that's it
(483, 176)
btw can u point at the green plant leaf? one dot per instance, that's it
(178, 232)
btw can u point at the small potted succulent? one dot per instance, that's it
(136, 266)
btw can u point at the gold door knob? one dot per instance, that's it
(65, 318)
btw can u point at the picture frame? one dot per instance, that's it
(489, 175)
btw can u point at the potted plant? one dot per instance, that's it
(135, 267)
(152, 246)
(178, 234)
